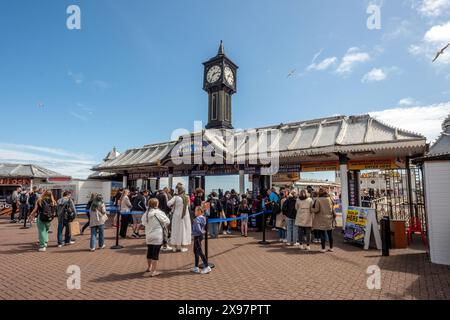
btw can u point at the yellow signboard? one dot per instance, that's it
(377, 164)
(382, 164)
(320, 166)
(285, 177)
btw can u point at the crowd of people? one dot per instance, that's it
(171, 219)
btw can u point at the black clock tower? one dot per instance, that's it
(220, 82)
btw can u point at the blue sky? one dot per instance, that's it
(133, 73)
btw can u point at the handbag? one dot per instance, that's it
(165, 231)
(280, 221)
(74, 228)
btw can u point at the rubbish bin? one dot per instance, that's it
(398, 234)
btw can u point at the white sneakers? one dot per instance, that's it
(308, 248)
(302, 247)
(43, 249)
(203, 271)
(206, 270)
(184, 250)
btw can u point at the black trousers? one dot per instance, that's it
(13, 210)
(323, 236)
(87, 223)
(23, 212)
(198, 252)
(124, 222)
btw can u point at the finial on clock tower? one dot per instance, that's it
(221, 51)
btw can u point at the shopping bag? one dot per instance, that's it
(74, 227)
(233, 223)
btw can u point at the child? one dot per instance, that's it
(244, 211)
(198, 230)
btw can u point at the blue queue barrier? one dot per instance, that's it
(113, 209)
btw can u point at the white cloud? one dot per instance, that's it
(439, 34)
(379, 74)
(403, 29)
(415, 50)
(433, 41)
(62, 161)
(100, 84)
(78, 116)
(375, 75)
(323, 65)
(426, 120)
(433, 8)
(407, 102)
(76, 77)
(350, 59)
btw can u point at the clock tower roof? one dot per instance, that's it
(221, 56)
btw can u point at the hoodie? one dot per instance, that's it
(198, 226)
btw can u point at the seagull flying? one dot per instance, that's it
(40, 105)
(291, 73)
(441, 52)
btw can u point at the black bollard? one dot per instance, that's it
(117, 246)
(386, 236)
(210, 264)
(264, 242)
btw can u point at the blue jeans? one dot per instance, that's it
(61, 226)
(282, 234)
(292, 231)
(213, 229)
(101, 238)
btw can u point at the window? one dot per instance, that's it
(214, 106)
(227, 107)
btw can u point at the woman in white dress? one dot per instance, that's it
(181, 220)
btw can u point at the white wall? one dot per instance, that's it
(437, 188)
(85, 188)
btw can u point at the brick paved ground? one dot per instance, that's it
(244, 270)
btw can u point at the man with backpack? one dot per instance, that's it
(32, 200)
(66, 214)
(23, 205)
(215, 208)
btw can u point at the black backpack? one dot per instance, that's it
(68, 213)
(32, 199)
(47, 211)
(213, 211)
(23, 198)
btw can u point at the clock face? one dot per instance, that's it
(229, 75)
(213, 74)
